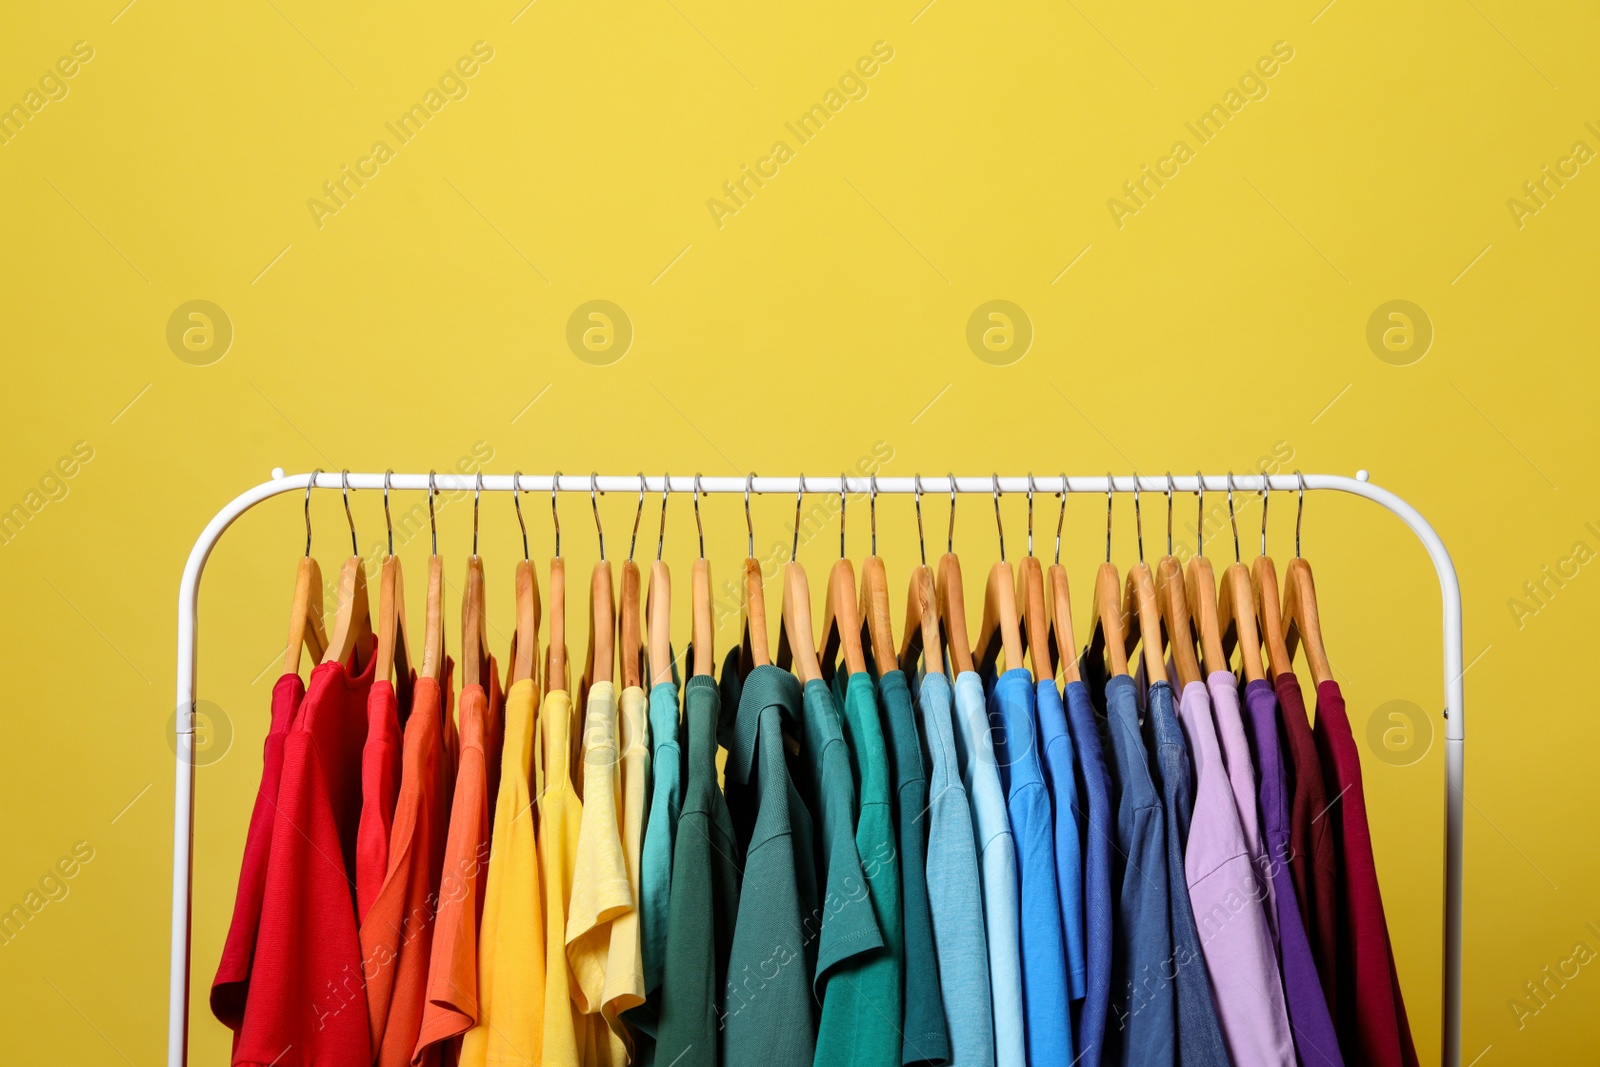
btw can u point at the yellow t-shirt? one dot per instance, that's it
(601, 891)
(560, 813)
(624, 986)
(511, 993)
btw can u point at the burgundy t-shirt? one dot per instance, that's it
(1369, 1012)
(308, 1004)
(232, 983)
(1311, 863)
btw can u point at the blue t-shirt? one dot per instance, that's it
(1044, 952)
(1061, 776)
(1092, 806)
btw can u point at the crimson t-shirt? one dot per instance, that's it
(307, 1005)
(1311, 859)
(380, 788)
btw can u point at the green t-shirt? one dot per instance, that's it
(861, 1004)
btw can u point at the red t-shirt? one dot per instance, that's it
(1311, 834)
(397, 934)
(229, 988)
(1369, 1012)
(307, 1005)
(380, 787)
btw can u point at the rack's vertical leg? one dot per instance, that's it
(182, 838)
(1455, 755)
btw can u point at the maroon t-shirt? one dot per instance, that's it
(232, 983)
(307, 1004)
(1311, 837)
(1369, 1014)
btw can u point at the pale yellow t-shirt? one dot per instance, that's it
(510, 1027)
(624, 986)
(560, 814)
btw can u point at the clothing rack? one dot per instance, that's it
(188, 608)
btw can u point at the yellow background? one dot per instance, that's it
(1222, 323)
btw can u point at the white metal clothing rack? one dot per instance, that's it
(189, 592)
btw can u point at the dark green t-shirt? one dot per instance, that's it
(924, 1037)
(705, 899)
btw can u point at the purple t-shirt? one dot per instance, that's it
(1314, 1036)
(1228, 903)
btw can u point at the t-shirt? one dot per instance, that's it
(1199, 1031)
(997, 865)
(306, 991)
(1223, 688)
(925, 1038)
(451, 1007)
(1229, 902)
(624, 985)
(560, 814)
(1061, 777)
(1092, 807)
(1369, 1012)
(231, 986)
(397, 933)
(769, 1017)
(655, 860)
(1314, 1037)
(861, 1005)
(380, 786)
(600, 888)
(1044, 951)
(511, 935)
(1311, 851)
(955, 894)
(705, 896)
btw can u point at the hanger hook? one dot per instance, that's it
(344, 484)
(872, 508)
(916, 496)
(477, 492)
(994, 481)
(1266, 494)
(844, 494)
(699, 529)
(1030, 513)
(594, 502)
(637, 515)
(433, 526)
(516, 500)
(1299, 512)
(1061, 515)
(1110, 486)
(1200, 513)
(555, 516)
(1169, 512)
(800, 492)
(1138, 516)
(749, 529)
(311, 481)
(661, 534)
(387, 522)
(1233, 519)
(950, 538)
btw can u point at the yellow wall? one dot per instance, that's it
(824, 323)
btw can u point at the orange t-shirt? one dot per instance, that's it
(451, 1006)
(397, 932)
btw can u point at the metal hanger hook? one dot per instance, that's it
(433, 525)
(1030, 514)
(1233, 519)
(555, 516)
(799, 493)
(699, 529)
(950, 538)
(516, 501)
(1266, 494)
(1169, 513)
(311, 481)
(1061, 515)
(749, 529)
(477, 492)
(637, 515)
(344, 485)
(661, 534)
(1138, 516)
(1299, 512)
(388, 522)
(872, 508)
(1110, 487)
(1200, 513)
(594, 502)
(916, 496)
(844, 494)
(994, 481)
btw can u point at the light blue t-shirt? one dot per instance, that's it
(997, 866)
(955, 894)
(1044, 950)
(1060, 773)
(661, 828)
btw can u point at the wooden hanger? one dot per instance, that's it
(919, 639)
(796, 642)
(305, 615)
(393, 656)
(1236, 604)
(555, 670)
(474, 628)
(630, 620)
(658, 604)
(352, 634)
(1031, 603)
(841, 620)
(600, 665)
(1142, 606)
(1176, 615)
(999, 629)
(1062, 645)
(874, 607)
(1107, 624)
(703, 631)
(433, 614)
(1301, 623)
(524, 656)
